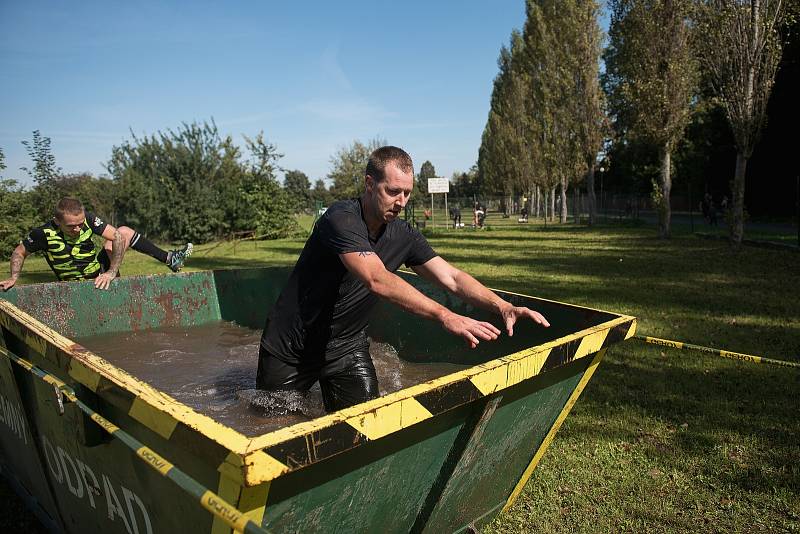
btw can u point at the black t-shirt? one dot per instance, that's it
(324, 308)
(70, 258)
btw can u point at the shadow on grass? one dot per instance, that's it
(740, 418)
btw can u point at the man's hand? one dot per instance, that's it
(104, 280)
(7, 284)
(471, 330)
(511, 313)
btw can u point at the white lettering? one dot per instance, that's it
(82, 482)
(13, 417)
(129, 497)
(91, 489)
(76, 489)
(49, 453)
(114, 508)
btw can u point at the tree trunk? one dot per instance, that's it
(576, 208)
(664, 210)
(590, 194)
(563, 212)
(553, 204)
(538, 194)
(737, 208)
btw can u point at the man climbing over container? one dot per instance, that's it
(66, 242)
(316, 331)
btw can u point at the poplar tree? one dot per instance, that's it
(505, 157)
(651, 76)
(740, 50)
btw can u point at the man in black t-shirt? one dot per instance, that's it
(67, 245)
(316, 329)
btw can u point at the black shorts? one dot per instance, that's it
(345, 381)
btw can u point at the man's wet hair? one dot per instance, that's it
(385, 155)
(68, 205)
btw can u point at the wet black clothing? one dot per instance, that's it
(323, 311)
(346, 381)
(69, 258)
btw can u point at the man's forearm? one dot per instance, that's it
(17, 260)
(399, 292)
(117, 252)
(470, 290)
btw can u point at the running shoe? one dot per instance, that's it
(175, 258)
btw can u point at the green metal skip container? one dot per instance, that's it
(442, 456)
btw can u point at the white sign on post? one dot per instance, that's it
(438, 185)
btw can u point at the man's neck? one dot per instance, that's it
(374, 224)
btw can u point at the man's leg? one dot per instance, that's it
(174, 259)
(349, 380)
(276, 375)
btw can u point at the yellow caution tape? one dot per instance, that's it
(719, 352)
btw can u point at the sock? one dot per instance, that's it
(141, 244)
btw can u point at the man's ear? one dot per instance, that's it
(369, 181)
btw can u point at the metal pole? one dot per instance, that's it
(691, 217)
(433, 224)
(446, 213)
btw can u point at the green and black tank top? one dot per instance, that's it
(70, 258)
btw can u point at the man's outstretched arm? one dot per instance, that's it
(17, 259)
(369, 268)
(470, 290)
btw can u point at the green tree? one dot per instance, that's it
(298, 187)
(506, 155)
(17, 213)
(740, 50)
(591, 120)
(191, 183)
(348, 166)
(321, 194)
(651, 76)
(44, 172)
(426, 170)
(271, 206)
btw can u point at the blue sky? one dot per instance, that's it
(314, 76)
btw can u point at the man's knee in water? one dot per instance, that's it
(349, 381)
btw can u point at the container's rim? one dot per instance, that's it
(265, 457)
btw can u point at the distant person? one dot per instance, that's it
(712, 212)
(455, 214)
(523, 214)
(478, 216)
(705, 207)
(67, 246)
(316, 331)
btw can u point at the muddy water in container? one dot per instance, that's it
(212, 368)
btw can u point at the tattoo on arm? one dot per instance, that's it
(17, 260)
(364, 254)
(117, 251)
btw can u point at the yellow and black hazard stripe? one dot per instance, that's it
(308, 443)
(209, 500)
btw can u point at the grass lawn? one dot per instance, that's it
(661, 440)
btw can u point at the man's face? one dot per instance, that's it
(71, 223)
(390, 195)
